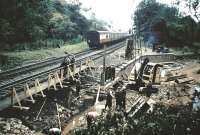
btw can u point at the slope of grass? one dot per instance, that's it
(13, 59)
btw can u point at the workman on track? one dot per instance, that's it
(68, 60)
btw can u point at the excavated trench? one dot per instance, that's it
(43, 114)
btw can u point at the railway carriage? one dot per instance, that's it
(97, 39)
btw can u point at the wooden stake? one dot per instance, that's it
(28, 92)
(51, 82)
(38, 87)
(58, 117)
(56, 78)
(18, 101)
(40, 109)
(70, 72)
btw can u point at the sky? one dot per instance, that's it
(116, 12)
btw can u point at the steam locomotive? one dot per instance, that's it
(97, 39)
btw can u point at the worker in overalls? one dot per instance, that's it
(149, 89)
(118, 97)
(109, 97)
(78, 87)
(72, 62)
(123, 95)
(65, 64)
(112, 72)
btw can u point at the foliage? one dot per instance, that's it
(158, 23)
(17, 58)
(34, 23)
(193, 6)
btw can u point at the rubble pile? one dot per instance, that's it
(13, 126)
(179, 120)
(48, 117)
(174, 94)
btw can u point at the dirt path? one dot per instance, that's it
(76, 121)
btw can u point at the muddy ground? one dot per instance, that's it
(172, 114)
(43, 114)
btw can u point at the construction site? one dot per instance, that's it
(127, 90)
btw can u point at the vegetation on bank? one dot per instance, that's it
(13, 59)
(37, 29)
(36, 24)
(163, 24)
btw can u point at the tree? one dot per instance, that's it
(193, 6)
(159, 23)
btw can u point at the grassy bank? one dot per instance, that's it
(13, 59)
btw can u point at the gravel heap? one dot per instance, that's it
(13, 126)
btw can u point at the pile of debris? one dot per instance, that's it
(174, 94)
(13, 126)
(163, 120)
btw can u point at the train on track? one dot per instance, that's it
(97, 39)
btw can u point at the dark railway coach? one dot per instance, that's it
(96, 39)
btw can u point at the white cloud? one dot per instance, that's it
(118, 12)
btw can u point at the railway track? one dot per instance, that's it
(50, 67)
(12, 73)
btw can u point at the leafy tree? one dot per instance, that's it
(193, 6)
(28, 22)
(159, 23)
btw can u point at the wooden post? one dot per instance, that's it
(74, 68)
(70, 73)
(56, 78)
(38, 87)
(80, 67)
(18, 100)
(51, 82)
(59, 122)
(88, 65)
(62, 75)
(28, 92)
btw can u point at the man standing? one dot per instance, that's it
(78, 87)
(123, 93)
(109, 99)
(149, 89)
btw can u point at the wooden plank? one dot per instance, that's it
(38, 88)
(172, 78)
(184, 80)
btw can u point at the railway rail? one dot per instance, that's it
(42, 75)
(18, 83)
(12, 73)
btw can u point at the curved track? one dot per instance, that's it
(42, 69)
(12, 73)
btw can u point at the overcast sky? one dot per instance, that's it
(116, 12)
